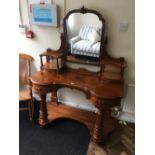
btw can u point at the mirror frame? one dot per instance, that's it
(84, 10)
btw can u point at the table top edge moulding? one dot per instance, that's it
(101, 89)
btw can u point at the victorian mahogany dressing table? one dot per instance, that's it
(104, 93)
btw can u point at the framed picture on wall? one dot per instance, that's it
(43, 14)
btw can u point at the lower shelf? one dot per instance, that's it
(56, 111)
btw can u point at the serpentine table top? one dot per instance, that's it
(87, 81)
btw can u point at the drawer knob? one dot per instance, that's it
(38, 88)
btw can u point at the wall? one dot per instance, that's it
(45, 37)
(121, 44)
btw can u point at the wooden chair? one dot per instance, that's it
(25, 91)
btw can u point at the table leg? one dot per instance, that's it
(57, 65)
(54, 94)
(97, 135)
(43, 111)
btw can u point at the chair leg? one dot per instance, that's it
(31, 109)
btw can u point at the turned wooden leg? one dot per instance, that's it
(97, 135)
(31, 109)
(54, 94)
(57, 65)
(43, 111)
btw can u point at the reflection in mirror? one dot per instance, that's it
(84, 34)
(78, 20)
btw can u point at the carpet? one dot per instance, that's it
(62, 137)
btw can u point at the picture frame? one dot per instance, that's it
(43, 14)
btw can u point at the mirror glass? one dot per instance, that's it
(78, 20)
(83, 36)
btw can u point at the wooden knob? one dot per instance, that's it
(38, 88)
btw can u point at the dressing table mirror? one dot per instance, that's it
(84, 32)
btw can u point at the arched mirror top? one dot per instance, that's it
(84, 10)
(84, 34)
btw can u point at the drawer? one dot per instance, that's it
(41, 89)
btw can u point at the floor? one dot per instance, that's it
(112, 147)
(61, 137)
(118, 149)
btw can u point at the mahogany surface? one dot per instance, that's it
(91, 85)
(103, 88)
(104, 94)
(54, 55)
